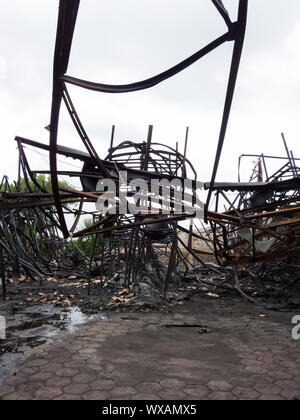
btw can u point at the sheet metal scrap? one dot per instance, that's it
(263, 221)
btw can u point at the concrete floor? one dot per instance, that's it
(154, 357)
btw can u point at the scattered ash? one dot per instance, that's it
(274, 286)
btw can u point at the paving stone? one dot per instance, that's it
(244, 393)
(68, 397)
(84, 378)
(93, 364)
(219, 386)
(40, 376)
(268, 359)
(98, 341)
(172, 394)
(15, 396)
(125, 360)
(116, 376)
(96, 395)
(148, 387)
(96, 368)
(221, 396)
(196, 391)
(29, 371)
(122, 391)
(288, 364)
(81, 357)
(56, 349)
(48, 393)
(16, 380)
(102, 385)
(51, 367)
(288, 384)
(36, 351)
(88, 350)
(72, 365)
(4, 390)
(144, 397)
(30, 387)
(268, 389)
(279, 375)
(59, 381)
(261, 379)
(289, 394)
(60, 359)
(279, 352)
(67, 372)
(172, 383)
(37, 362)
(76, 389)
(109, 367)
(181, 362)
(267, 397)
(76, 347)
(250, 362)
(255, 370)
(95, 359)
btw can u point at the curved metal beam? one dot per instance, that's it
(68, 10)
(240, 28)
(152, 81)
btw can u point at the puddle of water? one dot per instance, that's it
(74, 317)
(63, 320)
(30, 328)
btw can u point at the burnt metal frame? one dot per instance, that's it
(68, 10)
(112, 226)
(268, 209)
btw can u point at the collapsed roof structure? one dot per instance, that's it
(261, 223)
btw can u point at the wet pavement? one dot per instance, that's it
(206, 349)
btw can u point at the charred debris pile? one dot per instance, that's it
(121, 262)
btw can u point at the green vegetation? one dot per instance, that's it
(42, 180)
(85, 243)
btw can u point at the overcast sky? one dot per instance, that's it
(122, 41)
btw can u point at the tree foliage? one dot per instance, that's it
(85, 243)
(23, 186)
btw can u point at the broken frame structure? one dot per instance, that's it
(262, 221)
